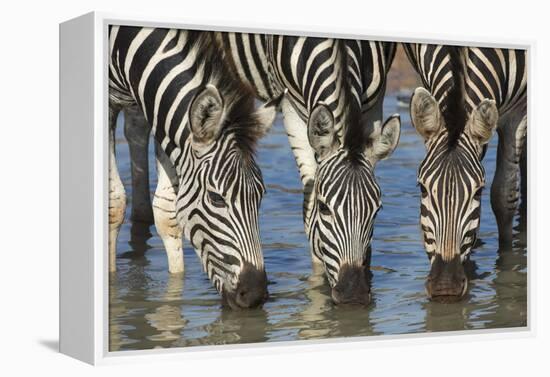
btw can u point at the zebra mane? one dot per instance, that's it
(454, 112)
(240, 119)
(356, 137)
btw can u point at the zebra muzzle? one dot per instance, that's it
(251, 291)
(353, 286)
(447, 281)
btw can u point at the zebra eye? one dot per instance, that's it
(423, 190)
(477, 195)
(323, 208)
(216, 199)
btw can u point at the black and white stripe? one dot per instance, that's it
(204, 120)
(497, 74)
(451, 185)
(312, 69)
(470, 91)
(333, 86)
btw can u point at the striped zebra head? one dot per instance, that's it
(219, 197)
(346, 199)
(451, 179)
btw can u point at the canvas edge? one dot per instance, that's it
(102, 356)
(76, 179)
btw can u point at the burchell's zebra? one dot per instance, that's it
(332, 115)
(469, 92)
(206, 127)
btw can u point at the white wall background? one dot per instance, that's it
(29, 202)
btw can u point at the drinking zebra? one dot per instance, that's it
(206, 127)
(332, 115)
(468, 93)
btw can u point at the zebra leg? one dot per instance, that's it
(296, 130)
(505, 187)
(137, 131)
(164, 211)
(117, 195)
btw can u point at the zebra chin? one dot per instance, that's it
(446, 281)
(251, 291)
(352, 286)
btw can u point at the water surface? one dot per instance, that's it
(149, 308)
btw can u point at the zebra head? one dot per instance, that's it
(346, 199)
(451, 178)
(220, 194)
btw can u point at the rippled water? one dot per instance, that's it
(149, 308)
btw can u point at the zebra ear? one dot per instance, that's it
(206, 115)
(267, 113)
(321, 133)
(384, 140)
(425, 113)
(483, 121)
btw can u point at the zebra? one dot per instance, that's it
(467, 94)
(206, 127)
(332, 115)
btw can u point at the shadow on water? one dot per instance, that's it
(166, 317)
(510, 286)
(309, 313)
(140, 233)
(507, 307)
(156, 322)
(247, 326)
(130, 299)
(472, 272)
(150, 308)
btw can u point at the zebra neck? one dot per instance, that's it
(497, 74)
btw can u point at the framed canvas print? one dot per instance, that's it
(224, 187)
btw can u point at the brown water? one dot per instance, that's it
(149, 308)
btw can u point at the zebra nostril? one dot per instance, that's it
(251, 290)
(446, 281)
(352, 287)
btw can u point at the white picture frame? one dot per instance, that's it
(84, 273)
